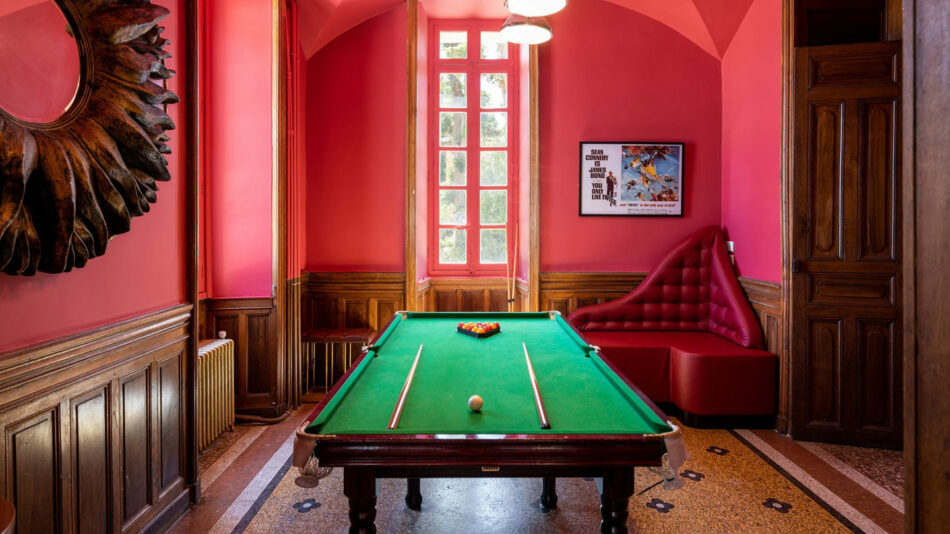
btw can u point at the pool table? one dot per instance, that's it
(600, 424)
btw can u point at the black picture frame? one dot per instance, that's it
(631, 208)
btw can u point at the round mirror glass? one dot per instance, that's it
(39, 60)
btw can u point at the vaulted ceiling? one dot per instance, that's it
(710, 24)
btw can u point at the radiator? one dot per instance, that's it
(215, 389)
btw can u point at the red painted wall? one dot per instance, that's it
(142, 271)
(752, 142)
(238, 114)
(611, 74)
(35, 46)
(356, 149)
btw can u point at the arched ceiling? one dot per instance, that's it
(710, 24)
(9, 6)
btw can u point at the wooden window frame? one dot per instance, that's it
(473, 67)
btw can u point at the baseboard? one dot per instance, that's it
(170, 515)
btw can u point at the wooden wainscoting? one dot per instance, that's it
(565, 292)
(294, 345)
(93, 428)
(254, 326)
(352, 300)
(467, 294)
(766, 299)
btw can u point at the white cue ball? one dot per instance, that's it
(475, 403)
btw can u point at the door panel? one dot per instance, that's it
(845, 245)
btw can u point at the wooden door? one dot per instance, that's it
(846, 245)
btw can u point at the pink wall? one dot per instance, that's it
(34, 44)
(356, 149)
(237, 95)
(142, 271)
(611, 74)
(752, 141)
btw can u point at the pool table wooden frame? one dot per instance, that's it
(366, 457)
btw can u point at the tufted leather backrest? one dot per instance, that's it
(694, 288)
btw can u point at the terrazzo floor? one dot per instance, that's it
(735, 481)
(713, 499)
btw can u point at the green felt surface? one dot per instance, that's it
(581, 394)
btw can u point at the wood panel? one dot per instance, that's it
(565, 291)
(33, 468)
(352, 300)
(926, 240)
(136, 443)
(845, 245)
(90, 436)
(294, 345)
(93, 428)
(170, 422)
(254, 325)
(766, 300)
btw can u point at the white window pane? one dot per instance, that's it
(452, 129)
(452, 90)
(494, 129)
(451, 245)
(494, 247)
(452, 167)
(494, 90)
(494, 46)
(494, 167)
(494, 206)
(453, 45)
(452, 206)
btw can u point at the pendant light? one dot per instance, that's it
(519, 29)
(535, 8)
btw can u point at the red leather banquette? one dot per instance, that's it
(687, 334)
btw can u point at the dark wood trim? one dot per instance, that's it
(412, 124)
(294, 342)
(909, 235)
(21, 368)
(193, 199)
(534, 191)
(788, 158)
(926, 236)
(104, 413)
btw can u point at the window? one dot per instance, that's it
(472, 148)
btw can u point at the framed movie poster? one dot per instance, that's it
(631, 179)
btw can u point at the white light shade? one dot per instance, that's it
(535, 8)
(526, 31)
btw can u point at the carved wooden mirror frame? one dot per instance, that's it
(68, 186)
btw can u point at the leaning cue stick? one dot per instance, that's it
(401, 403)
(538, 403)
(514, 271)
(507, 284)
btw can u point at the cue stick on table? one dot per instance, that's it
(401, 403)
(539, 404)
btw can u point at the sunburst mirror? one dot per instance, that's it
(77, 162)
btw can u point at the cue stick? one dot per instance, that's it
(539, 404)
(514, 270)
(397, 411)
(507, 284)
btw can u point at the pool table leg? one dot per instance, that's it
(548, 494)
(359, 486)
(413, 494)
(618, 487)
